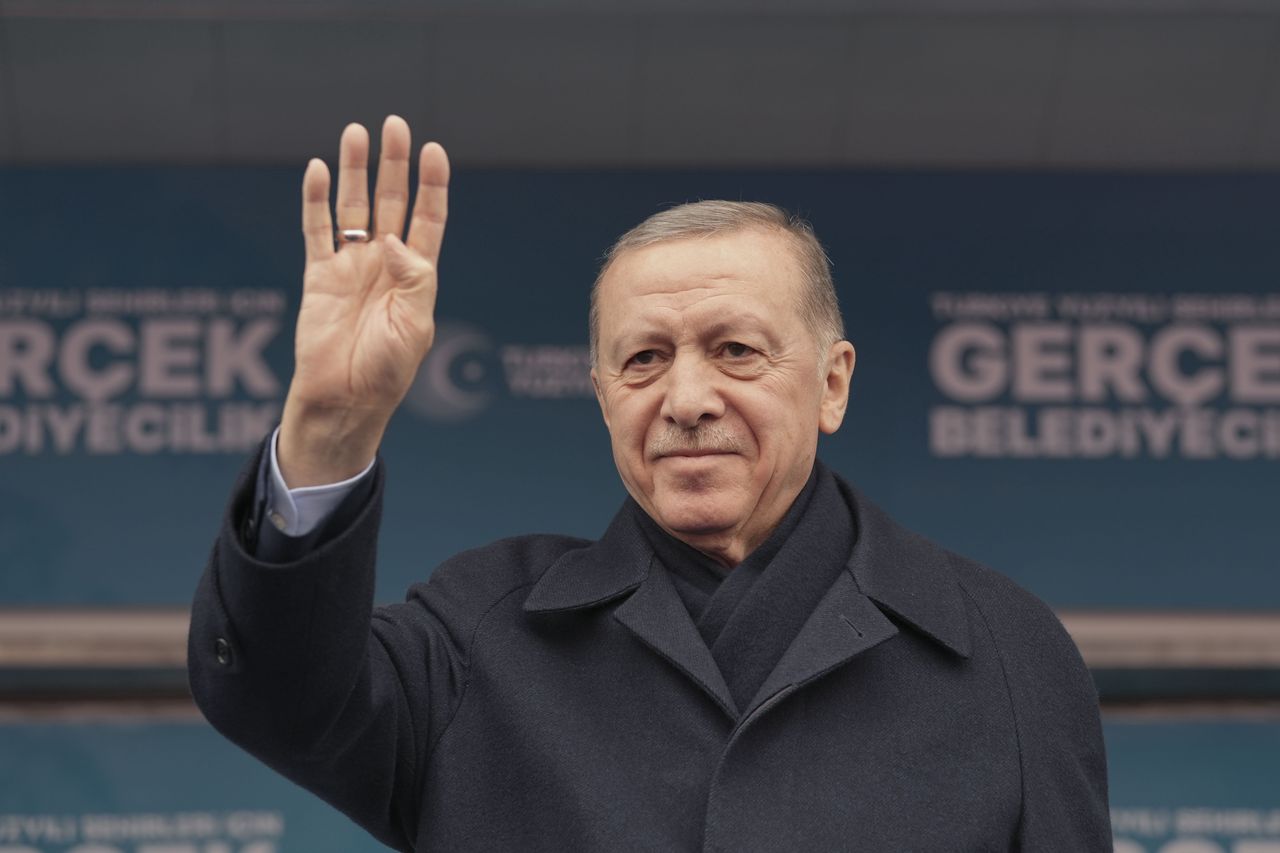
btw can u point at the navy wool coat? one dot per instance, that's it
(546, 693)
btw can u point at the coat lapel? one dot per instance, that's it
(656, 615)
(622, 562)
(908, 576)
(611, 566)
(843, 625)
(890, 571)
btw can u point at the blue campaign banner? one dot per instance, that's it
(154, 787)
(1074, 378)
(1204, 786)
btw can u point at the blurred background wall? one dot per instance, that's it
(1053, 224)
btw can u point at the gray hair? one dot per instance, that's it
(818, 306)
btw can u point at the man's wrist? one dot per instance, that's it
(296, 512)
(318, 448)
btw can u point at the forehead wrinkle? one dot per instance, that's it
(697, 273)
(677, 291)
(656, 308)
(708, 320)
(652, 324)
(660, 290)
(691, 304)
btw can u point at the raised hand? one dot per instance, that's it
(367, 315)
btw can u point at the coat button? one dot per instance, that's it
(222, 650)
(249, 533)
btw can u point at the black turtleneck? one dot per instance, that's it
(748, 615)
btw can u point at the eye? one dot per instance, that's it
(642, 358)
(733, 349)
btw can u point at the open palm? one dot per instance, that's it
(366, 319)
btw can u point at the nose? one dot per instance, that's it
(691, 393)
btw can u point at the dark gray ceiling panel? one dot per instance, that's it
(418, 10)
(292, 87)
(720, 92)
(1264, 142)
(9, 130)
(558, 91)
(958, 91)
(1028, 85)
(1160, 93)
(113, 91)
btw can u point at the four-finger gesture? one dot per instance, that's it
(367, 314)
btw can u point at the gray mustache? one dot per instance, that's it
(703, 438)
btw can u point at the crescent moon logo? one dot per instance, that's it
(454, 382)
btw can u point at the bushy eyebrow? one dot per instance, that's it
(638, 341)
(727, 326)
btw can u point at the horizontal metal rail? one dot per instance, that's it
(1176, 640)
(74, 638)
(156, 638)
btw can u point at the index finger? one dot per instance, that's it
(317, 223)
(431, 207)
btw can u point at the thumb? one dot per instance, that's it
(407, 267)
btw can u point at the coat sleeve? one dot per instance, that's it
(1059, 727)
(291, 661)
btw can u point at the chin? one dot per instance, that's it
(694, 515)
(697, 498)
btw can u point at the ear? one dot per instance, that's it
(835, 386)
(595, 383)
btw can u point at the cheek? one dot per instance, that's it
(631, 418)
(781, 423)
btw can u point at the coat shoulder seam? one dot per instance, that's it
(466, 682)
(1013, 705)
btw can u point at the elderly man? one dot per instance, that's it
(753, 657)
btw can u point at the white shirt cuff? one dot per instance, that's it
(296, 512)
